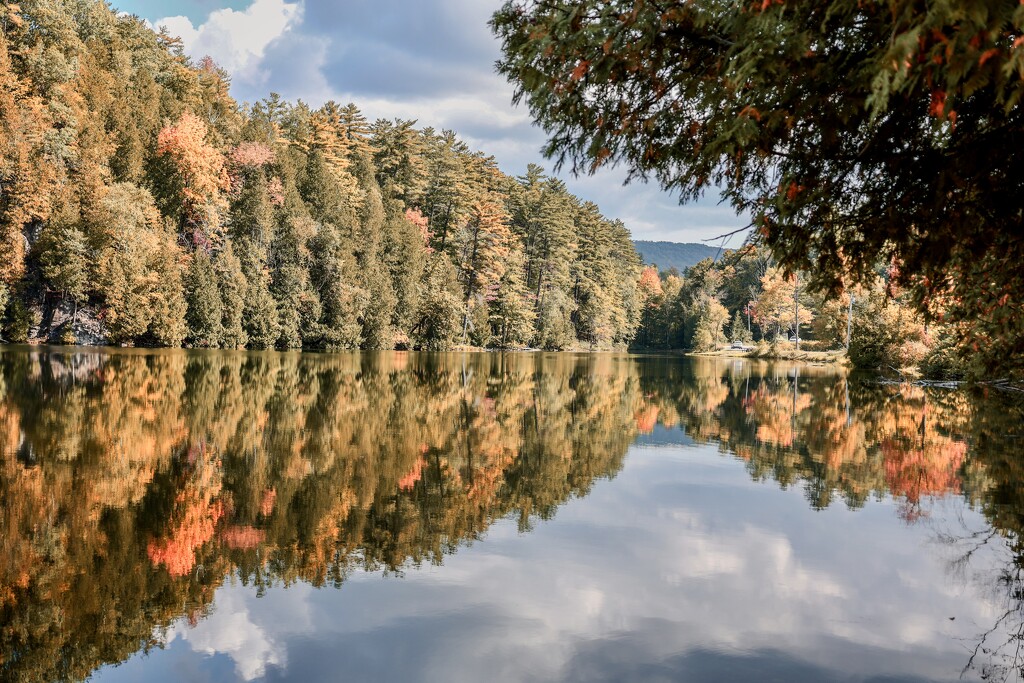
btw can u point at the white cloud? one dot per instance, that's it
(238, 40)
(230, 630)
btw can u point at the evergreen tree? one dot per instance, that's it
(512, 311)
(738, 332)
(290, 279)
(65, 260)
(438, 319)
(708, 331)
(232, 285)
(482, 248)
(404, 253)
(555, 329)
(333, 276)
(259, 310)
(378, 332)
(271, 225)
(167, 301)
(205, 312)
(399, 159)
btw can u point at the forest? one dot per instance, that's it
(142, 206)
(745, 297)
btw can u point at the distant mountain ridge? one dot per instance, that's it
(680, 255)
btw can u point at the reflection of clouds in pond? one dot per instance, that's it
(689, 586)
(246, 630)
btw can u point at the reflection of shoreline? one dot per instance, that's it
(795, 423)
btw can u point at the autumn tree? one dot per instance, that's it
(775, 310)
(195, 178)
(137, 190)
(482, 248)
(850, 132)
(738, 331)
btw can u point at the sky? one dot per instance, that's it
(429, 60)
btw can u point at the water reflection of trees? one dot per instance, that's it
(809, 426)
(133, 484)
(854, 439)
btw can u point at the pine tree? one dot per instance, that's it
(482, 248)
(205, 306)
(167, 299)
(738, 332)
(555, 331)
(65, 260)
(512, 311)
(290, 278)
(232, 285)
(333, 275)
(326, 199)
(404, 253)
(378, 332)
(259, 310)
(438, 319)
(399, 159)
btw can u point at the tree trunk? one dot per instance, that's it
(796, 306)
(849, 322)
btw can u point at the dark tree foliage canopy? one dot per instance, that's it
(856, 133)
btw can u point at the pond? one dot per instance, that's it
(221, 516)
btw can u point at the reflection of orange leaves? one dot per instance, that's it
(178, 551)
(267, 502)
(916, 472)
(242, 537)
(919, 459)
(775, 412)
(486, 479)
(646, 419)
(487, 407)
(196, 512)
(407, 482)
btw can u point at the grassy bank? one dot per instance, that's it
(782, 351)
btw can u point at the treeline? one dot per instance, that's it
(141, 205)
(746, 297)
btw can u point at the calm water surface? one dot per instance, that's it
(177, 516)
